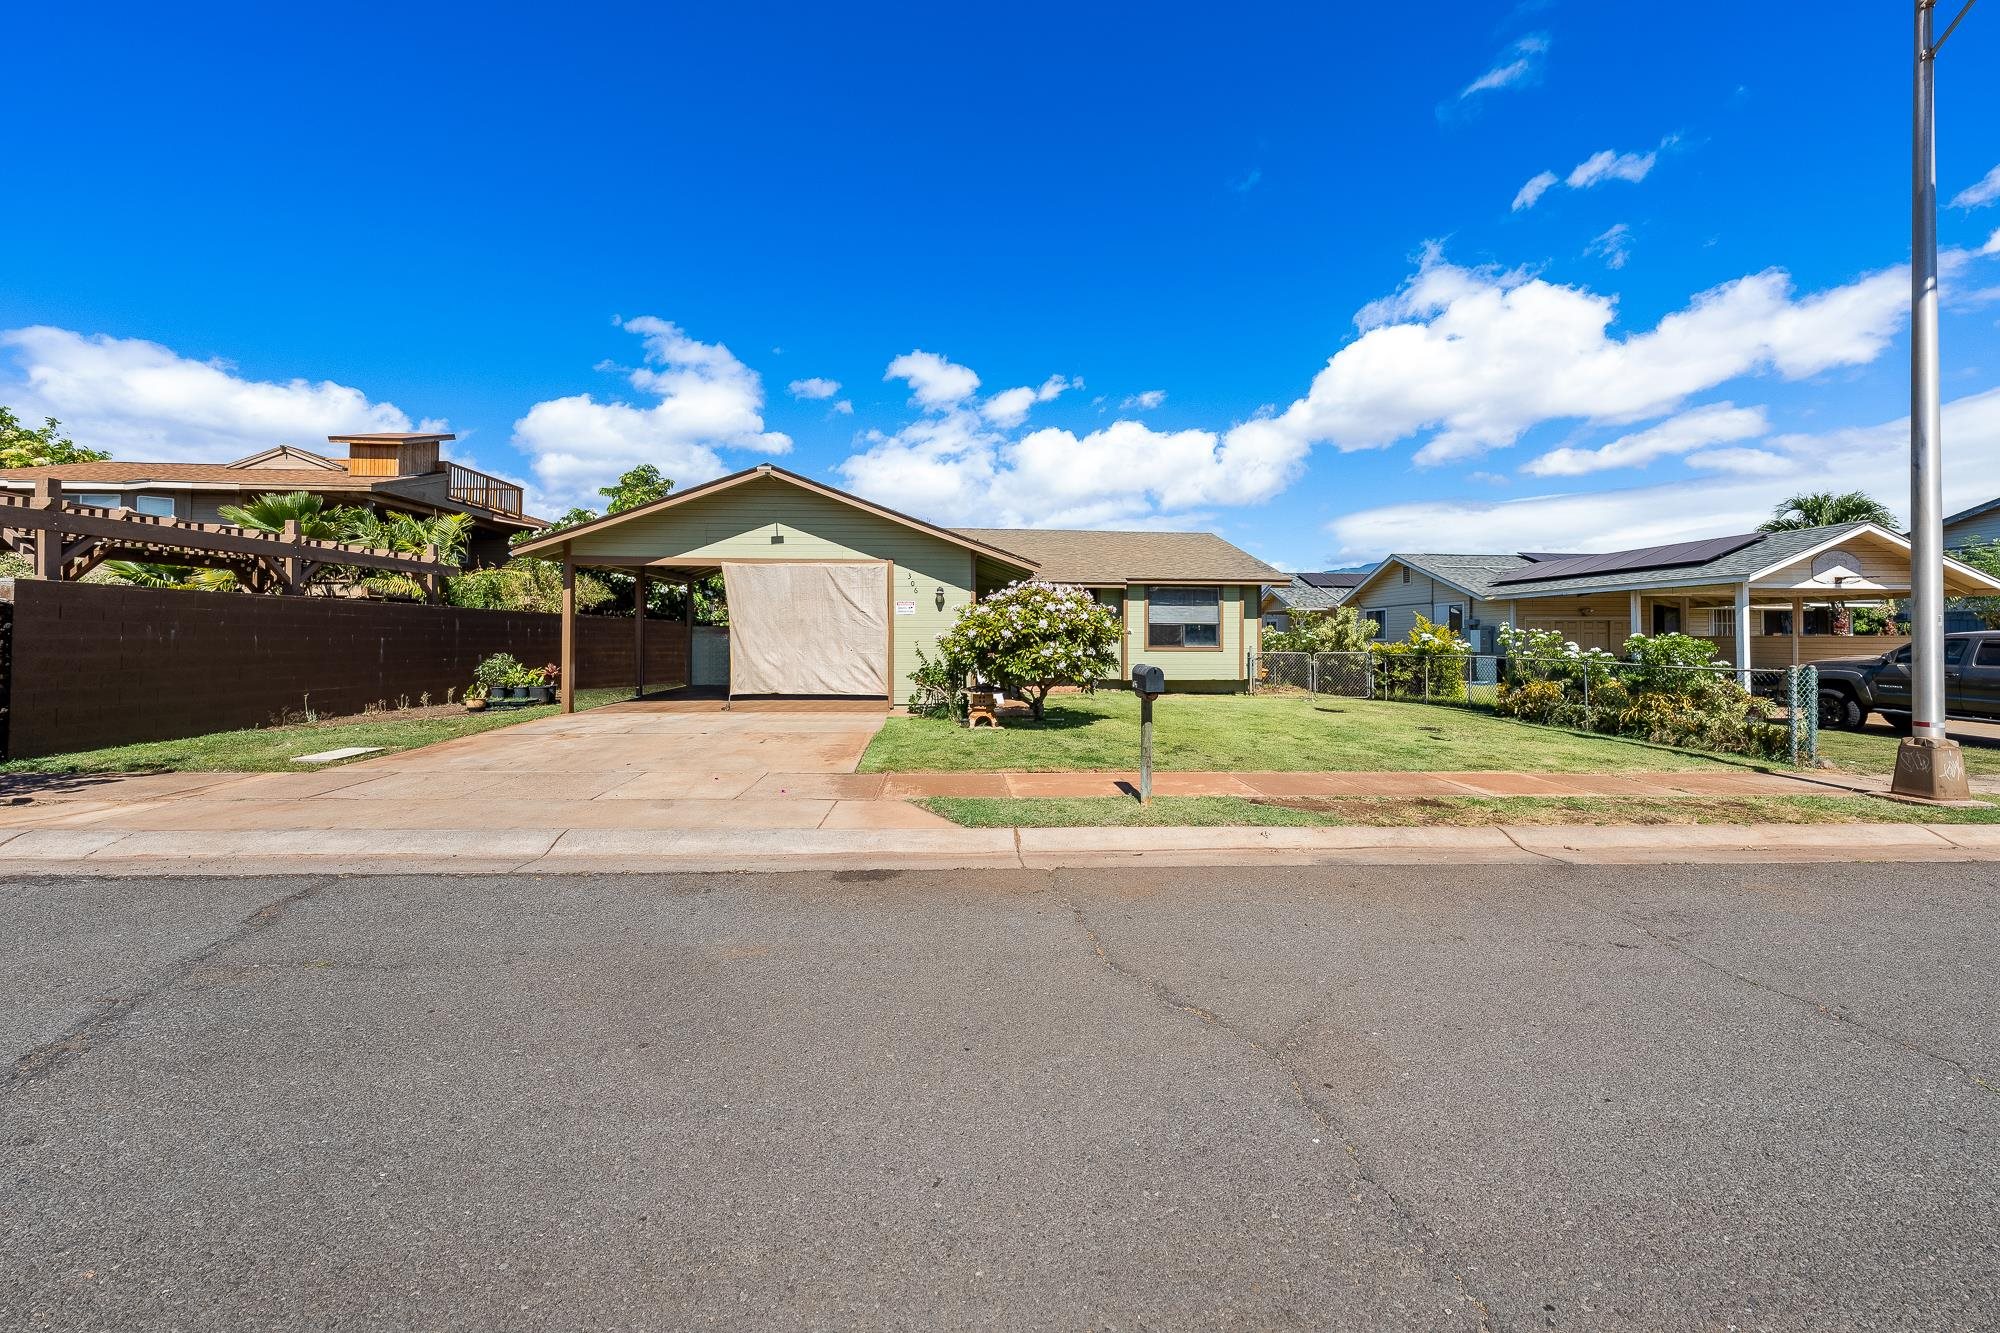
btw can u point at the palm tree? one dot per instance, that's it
(405, 533)
(1824, 509)
(270, 513)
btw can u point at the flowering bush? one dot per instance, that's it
(1429, 664)
(1029, 638)
(1670, 690)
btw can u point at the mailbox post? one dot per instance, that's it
(1149, 683)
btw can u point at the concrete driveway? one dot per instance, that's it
(1553, 1097)
(640, 765)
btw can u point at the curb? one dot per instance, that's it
(99, 851)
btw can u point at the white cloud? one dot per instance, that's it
(1010, 407)
(1477, 356)
(1992, 246)
(845, 408)
(707, 401)
(1613, 245)
(1715, 423)
(1144, 402)
(1605, 165)
(814, 388)
(1743, 462)
(1980, 193)
(1531, 194)
(1519, 63)
(955, 466)
(934, 382)
(145, 402)
(1871, 458)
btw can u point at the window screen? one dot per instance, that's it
(162, 505)
(1184, 618)
(99, 499)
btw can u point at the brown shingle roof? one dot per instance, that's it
(221, 474)
(1087, 555)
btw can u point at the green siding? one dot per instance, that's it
(742, 522)
(1200, 667)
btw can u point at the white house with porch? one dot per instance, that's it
(1766, 599)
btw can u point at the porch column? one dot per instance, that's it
(1743, 634)
(639, 634)
(566, 693)
(1798, 616)
(688, 672)
(1637, 627)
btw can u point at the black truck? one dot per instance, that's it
(1852, 688)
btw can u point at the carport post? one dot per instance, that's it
(639, 634)
(1743, 635)
(566, 693)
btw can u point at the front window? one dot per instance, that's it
(1454, 619)
(160, 505)
(97, 499)
(1184, 618)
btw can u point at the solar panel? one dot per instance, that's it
(1539, 556)
(1678, 555)
(1331, 580)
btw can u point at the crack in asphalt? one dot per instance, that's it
(45, 1059)
(1676, 945)
(1320, 1109)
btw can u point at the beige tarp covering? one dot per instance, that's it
(808, 629)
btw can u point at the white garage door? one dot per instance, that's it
(808, 628)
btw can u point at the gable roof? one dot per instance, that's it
(1471, 574)
(1090, 555)
(560, 536)
(1973, 512)
(305, 458)
(1732, 560)
(1316, 591)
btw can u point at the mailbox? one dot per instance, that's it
(1148, 680)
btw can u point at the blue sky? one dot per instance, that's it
(1482, 278)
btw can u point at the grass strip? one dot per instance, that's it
(1436, 811)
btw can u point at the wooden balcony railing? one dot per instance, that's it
(476, 488)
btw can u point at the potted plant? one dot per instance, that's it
(500, 675)
(546, 681)
(475, 698)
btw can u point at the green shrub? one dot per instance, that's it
(939, 687)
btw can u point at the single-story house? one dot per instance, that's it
(1973, 527)
(400, 472)
(1316, 591)
(832, 595)
(1766, 599)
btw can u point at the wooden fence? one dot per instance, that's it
(92, 665)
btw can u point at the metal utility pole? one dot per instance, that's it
(1928, 763)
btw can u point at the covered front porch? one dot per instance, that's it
(1753, 627)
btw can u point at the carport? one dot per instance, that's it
(829, 596)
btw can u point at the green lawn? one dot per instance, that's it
(1875, 752)
(268, 749)
(1244, 733)
(1432, 811)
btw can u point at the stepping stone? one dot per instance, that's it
(328, 756)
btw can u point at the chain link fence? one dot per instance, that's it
(1770, 711)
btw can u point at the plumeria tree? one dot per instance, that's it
(1029, 638)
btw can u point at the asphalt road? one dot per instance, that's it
(1424, 1097)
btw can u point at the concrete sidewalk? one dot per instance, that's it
(108, 851)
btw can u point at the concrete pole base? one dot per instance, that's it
(1930, 770)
